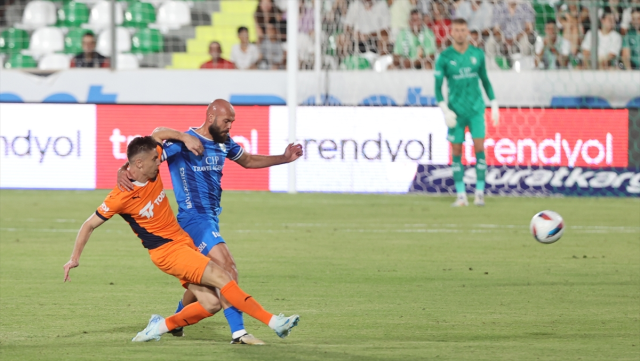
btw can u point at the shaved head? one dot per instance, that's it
(220, 115)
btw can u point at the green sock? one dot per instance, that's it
(481, 169)
(458, 174)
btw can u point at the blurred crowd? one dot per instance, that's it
(409, 34)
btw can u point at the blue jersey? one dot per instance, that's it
(196, 179)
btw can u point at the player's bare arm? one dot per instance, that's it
(85, 232)
(192, 143)
(160, 134)
(253, 161)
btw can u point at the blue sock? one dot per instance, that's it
(180, 307)
(236, 323)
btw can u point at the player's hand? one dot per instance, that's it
(449, 115)
(67, 267)
(124, 180)
(495, 113)
(293, 152)
(193, 144)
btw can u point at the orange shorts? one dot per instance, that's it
(180, 259)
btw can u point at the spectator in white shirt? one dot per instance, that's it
(552, 51)
(367, 22)
(245, 55)
(478, 14)
(609, 44)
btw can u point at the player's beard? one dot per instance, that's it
(217, 134)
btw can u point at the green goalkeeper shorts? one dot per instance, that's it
(476, 127)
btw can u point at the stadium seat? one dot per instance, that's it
(147, 41)
(100, 17)
(127, 62)
(54, 62)
(139, 15)
(13, 40)
(172, 15)
(38, 14)
(46, 41)
(73, 14)
(17, 61)
(73, 40)
(123, 41)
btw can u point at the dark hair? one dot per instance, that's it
(89, 33)
(415, 11)
(474, 32)
(242, 28)
(635, 10)
(139, 145)
(459, 21)
(551, 22)
(215, 42)
(605, 13)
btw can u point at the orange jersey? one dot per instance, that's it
(147, 211)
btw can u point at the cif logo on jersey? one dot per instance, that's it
(212, 160)
(147, 211)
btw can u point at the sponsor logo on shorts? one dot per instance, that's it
(216, 234)
(104, 207)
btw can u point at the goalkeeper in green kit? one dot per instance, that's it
(462, 64)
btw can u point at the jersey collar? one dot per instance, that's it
(193, 129)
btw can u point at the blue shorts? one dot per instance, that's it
(204, 231)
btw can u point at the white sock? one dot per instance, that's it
(238, 333)
(162, 327)
(273, 322)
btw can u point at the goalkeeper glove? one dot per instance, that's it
(449, 115)
(495, 113)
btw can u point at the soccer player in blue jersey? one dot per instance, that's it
(196, 183)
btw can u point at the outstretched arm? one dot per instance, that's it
(253, 161)
(87, 228)
(192, 143)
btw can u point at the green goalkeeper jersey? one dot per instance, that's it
(462, 72)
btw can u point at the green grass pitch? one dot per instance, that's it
(374, 277)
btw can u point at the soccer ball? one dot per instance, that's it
(547, 227)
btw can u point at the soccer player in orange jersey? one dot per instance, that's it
(149, 214)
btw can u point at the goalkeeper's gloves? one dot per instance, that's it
(449, 115)
(495, 113)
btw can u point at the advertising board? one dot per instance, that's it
(48, 146)
(118, 124)
(359, 149)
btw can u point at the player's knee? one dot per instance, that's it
(215, 276)
(232, 270)
(211, 304)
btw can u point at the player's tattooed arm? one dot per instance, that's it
(192, 143)
(87, 228)
(291, 153)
